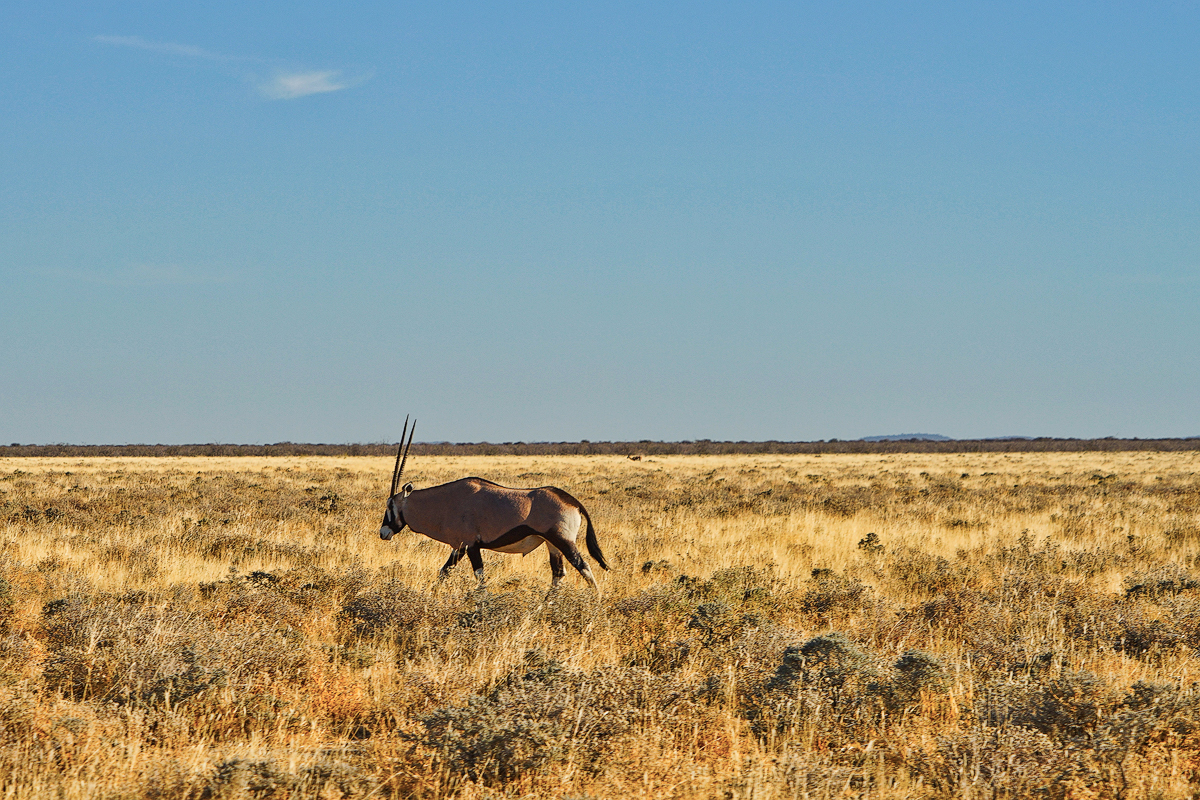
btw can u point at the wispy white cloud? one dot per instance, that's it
(285, 84)
(290, 85)
(167, 48)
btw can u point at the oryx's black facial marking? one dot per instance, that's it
(393, 521)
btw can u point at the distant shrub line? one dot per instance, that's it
(642, 448)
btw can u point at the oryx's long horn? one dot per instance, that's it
(406, 449)
(396, 468)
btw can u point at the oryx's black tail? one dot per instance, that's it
(593, 545)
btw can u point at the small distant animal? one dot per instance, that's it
(635, 458)
(473, 514)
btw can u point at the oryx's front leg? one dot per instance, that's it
(476, 562)
(455, 557)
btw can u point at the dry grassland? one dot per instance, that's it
(976, 625)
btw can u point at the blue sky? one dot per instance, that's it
(529, 222)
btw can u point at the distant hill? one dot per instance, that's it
(907, 437)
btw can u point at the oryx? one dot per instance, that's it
(474, 514)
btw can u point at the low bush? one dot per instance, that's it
(542, 713)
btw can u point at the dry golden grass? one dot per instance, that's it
(774, 626)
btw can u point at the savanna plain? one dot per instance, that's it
(936, 625)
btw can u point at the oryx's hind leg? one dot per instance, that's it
(572, 554)
(476, 562)
(455, 557)
(557, 570)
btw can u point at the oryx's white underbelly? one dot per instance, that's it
(524, 547)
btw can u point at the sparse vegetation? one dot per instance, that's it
(882, 625)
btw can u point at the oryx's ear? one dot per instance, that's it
(407, 490)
